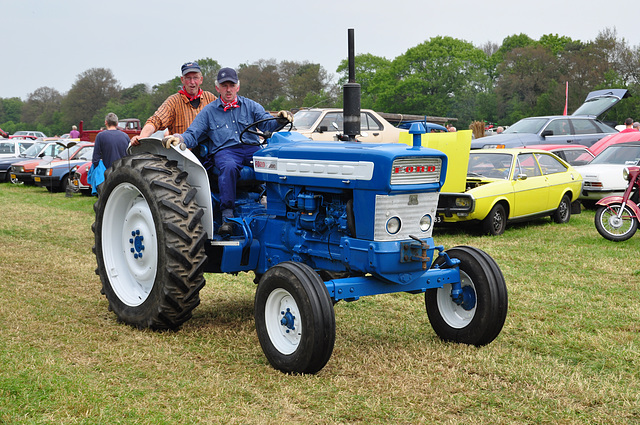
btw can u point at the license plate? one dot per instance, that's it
(36, 179)
(13, 176)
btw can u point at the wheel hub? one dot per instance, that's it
(136, 244)
(615, 221)
(288, 320)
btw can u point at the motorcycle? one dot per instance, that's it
(617, 216)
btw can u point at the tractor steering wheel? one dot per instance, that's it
(264, 136)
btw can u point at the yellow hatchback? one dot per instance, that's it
(513, 185)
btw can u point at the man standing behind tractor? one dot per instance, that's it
(218, 128)
(179, 110)
(111, 144)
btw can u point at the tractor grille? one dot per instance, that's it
(415, 170)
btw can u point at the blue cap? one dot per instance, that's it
(190, 67)
(227, 74)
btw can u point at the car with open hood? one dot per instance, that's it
(509, 185)
(582, 127)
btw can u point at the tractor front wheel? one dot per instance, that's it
(294, 317)
(479, 319)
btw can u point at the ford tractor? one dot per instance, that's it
(315, 222)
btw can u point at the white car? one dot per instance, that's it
(12, 148)
(325, 124)
(603, 175)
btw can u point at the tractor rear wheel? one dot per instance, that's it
(149, 242)
(294, 317)
(479, 319)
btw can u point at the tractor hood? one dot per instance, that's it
(350, 165)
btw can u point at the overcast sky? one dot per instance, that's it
(49, 43)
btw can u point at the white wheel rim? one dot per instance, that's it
(615, 225)
(453, 314)
(280, 304)
(130, 250)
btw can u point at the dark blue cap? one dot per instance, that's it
(190, 67)
(227, 74)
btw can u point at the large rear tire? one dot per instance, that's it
(149, 242)
(479, 320)
(294, 317)
(613, 228)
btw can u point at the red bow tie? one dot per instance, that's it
(229, 105)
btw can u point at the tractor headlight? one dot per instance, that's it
(425, 222)
(393, 225)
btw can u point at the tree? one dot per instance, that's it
(367, 67)
(260, 81)
(525, 74)
(10, 109)
(90, 93)
(302, 79)
(42, 106)
(429, 78)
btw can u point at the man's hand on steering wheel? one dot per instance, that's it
(284, 117)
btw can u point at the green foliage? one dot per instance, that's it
(442, 76)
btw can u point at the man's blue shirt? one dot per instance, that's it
(218, 129)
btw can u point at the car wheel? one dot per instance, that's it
(496, 221)
(563, 213)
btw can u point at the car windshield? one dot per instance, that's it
(619, 154)
(527, 125)
(65, 154)
(33, 150)
(21, 133)
(492, 165)
(303, 120)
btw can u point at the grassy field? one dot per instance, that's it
(569, 352)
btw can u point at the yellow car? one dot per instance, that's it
(512, 185)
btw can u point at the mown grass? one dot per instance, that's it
(569, 352)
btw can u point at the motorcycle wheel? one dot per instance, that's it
(615, 228)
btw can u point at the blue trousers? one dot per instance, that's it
(230, 161)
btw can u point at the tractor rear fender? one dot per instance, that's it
(187, 161)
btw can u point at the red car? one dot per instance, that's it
(570, 153)
(623, 137)
(79, 179)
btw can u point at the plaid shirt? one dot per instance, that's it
(176, 113)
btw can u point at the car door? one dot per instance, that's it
(561, 131)
(585, 131)
(557, 178)
(530, 187)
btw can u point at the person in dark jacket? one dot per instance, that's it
(111, 144)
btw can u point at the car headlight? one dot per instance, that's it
(425, 223)
(18, 169)
(463, 202)
(393, 225)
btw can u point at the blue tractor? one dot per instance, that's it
(316, 222)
